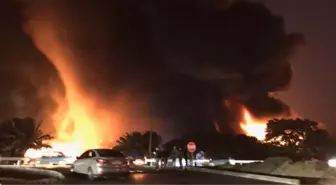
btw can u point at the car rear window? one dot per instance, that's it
(109, 153)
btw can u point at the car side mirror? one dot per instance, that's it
(77, 157)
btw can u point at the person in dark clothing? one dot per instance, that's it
(181, 156)
(186, 155)
(165, 156)
(158, 160)
(192, 158)
(162, 156)
(174, 155)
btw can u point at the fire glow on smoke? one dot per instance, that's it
(80, 112)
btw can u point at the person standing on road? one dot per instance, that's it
(157, 159)
(174, 155)
(186, 156)
(160, 159)
(192, 158)
(181, 156)
(165, 156)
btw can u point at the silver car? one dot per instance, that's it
(96, 163)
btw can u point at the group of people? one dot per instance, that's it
(180, 155)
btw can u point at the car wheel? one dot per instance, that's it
(90, 174)
(72, 169)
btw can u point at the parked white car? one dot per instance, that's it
(96, 163)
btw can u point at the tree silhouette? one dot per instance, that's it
(136, 141)
(297, 138)
(130, 141)
(156, 140)
(218, 145)
(18, 135)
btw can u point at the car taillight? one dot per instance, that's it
(101, 161)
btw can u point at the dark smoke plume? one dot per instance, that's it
(25, 74)
(243, 48)
(238, 48)
(184, 58)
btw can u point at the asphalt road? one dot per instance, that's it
(167, 177)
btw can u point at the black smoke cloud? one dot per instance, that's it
(242, 50)
(184, 57)
(25, 74)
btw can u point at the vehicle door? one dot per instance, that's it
(91, 157)
(78, 165)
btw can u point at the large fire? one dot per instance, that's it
(81, 112)
(253, 127)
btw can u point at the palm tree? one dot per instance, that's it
(130, 141)
(18, 135)
(138, 142)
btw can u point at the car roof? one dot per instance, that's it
(95, 149)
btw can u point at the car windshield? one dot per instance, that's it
(109, 153)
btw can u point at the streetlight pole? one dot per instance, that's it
(150, 144)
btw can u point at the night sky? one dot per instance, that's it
(312, 91)
(179, 62)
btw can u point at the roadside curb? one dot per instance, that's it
(52, 177)
(282, 180)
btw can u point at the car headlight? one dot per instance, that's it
(139, 162)
(332, 162)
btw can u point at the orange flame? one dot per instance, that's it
(80, 111)
(252, 126)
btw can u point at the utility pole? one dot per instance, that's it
(150, 144)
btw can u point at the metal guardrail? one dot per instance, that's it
(25, 162)
(233, 161)
(218, 162)
(22, 161)
(273, 179)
